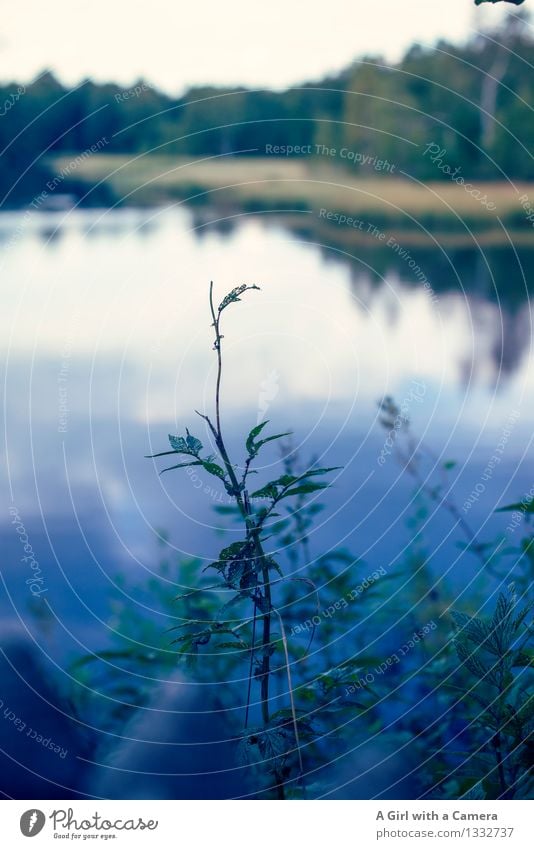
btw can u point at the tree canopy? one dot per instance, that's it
(471, 100)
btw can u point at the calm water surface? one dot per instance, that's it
(107, 347)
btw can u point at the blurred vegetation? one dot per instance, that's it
(471, 100)
(365, 663)
(457, 707)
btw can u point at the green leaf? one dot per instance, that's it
(477, 790)
(252, 436)
(112, 655)
(233, 550)
(523, 615)
(229, 604)
(524, 658)
(233, 296)
(526, 506)
(252, 446)
(179, 444)
(270, 438)
(271, 563)
(182, 465)
(268, 491)
(226, 510)
(503, 611)
(236, 562)
(287, 480)
(324, 471)
(236, 571)
(160, 454)
(305, 489)
(213, 469)
(194, 444)
(525, 713)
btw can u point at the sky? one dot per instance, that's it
(174, 44)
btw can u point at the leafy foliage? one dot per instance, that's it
(338, 112)
(497, 654)
(244, 567)
(515, 2)
(247, 617)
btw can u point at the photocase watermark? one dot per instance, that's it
(269, 389)
(63, 376)
(63, 405)
(493, 462)
(406, 256)
(347, 220)
(93, 826)
(66, 820)
(399, 417)
(355, 157)
(10, 101)
(216, 494)
(436, 155)
(524, 506)
(74, 164)
(341, 604)
(22, 728)
(135, 91)
(370, 229)
(37, 203)
(36, 581)
(32, 822)
(368, 676)
(288, 149)
(524, 200)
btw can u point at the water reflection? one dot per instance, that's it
(107, 347)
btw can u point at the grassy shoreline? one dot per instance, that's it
(291, 186)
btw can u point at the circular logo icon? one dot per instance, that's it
(32, 822)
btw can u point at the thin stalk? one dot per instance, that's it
(290, 688)
(497, 741)
(219, 361)
(266, 643)
(444, 501)
(252, 651)
(252, 531)
(500, 765)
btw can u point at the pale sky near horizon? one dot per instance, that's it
(173, 46)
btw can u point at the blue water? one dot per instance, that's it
(107, 348)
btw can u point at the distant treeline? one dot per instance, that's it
(472, 103)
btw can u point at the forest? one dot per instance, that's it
(470, 101)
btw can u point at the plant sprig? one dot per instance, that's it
(244, 566)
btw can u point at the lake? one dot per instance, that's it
(107, 348)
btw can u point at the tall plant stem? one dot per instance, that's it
(266, 638)
(251, 530)
(445, 502)
(290, 690)
(500, 765)
(497, 739)
(253, 646)
(218, 338)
